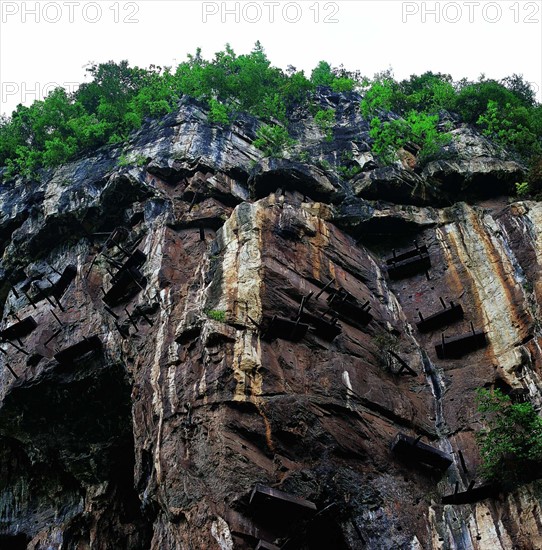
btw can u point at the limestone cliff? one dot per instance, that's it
(206, 349)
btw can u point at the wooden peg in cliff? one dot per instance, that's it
(326, 286)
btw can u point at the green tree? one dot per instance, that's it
(383, 94)
(419, 128)
(336, 79)
(515, 127)
(511, 442)
(473, 98)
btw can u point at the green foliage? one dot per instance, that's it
(534, 176)
(348, 172)
(473, 98)
(274, 141)
(218, 112)
(138, 160)
(381, 96)
(514, 126)
(118, 98)
(338, 80)
(428, 93)
(522, 189)
(511, 443)
(216, 315)
(325, 120)
(323, 163)
(416, 127)
(505, 111)
(303, 156)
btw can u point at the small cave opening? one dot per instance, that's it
(516, 395)
(324, 534)
(14, 542)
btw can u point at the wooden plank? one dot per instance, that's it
(458, 346)
(345, 304)
(68, 275)
(409, 267)
(19, 329)
(135, 261)
(412, 450)
(404, 364)
(125, 287)
(407, 255)
(441, 318)
(285, 329)
(263, 496)
(76, 351)
(472, 495)
(323, 328)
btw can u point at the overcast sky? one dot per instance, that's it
(47, 43)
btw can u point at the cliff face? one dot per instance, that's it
(207, 349)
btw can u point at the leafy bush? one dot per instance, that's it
(218, 112)
(473, 98)
(216, 315)
(119, 98)
(522, 189)
(382, 95)
(418, 128)
(338, 80)
(505, 111)
(349, 172)
(273, 140)
(514, 127)
(325, 119)
(324, 164)
(303, 156)
(511, 444)
(534, 176)
(138, 160)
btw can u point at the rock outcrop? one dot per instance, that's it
(224, 348)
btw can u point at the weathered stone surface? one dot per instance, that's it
(272, 174)
(157, 440)
(474, 167)
(393, 184)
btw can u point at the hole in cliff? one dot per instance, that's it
(14, 542)
(34, 359)
(325, 534)
(188, 335)
(136, 218)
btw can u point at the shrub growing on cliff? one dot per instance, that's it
(216, 315)
(325, 119)
(119, 98)
(273, 140)
(504, 110)
(337, 79)
(418, 128)
(511, 443)
(515, 127)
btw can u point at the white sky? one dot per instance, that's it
(52, 46)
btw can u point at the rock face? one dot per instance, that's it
(223, 348)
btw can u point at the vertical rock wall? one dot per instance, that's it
(225, 367)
